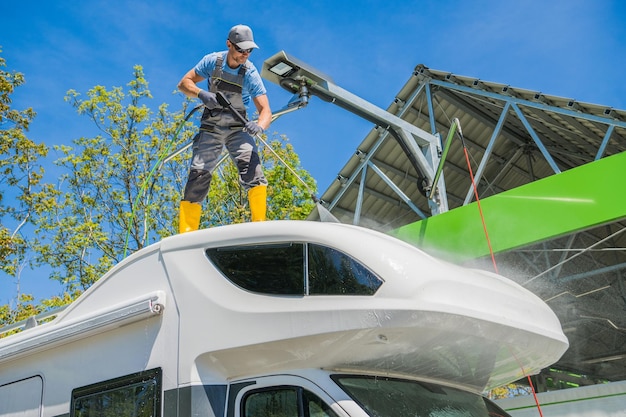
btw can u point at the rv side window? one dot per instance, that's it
(284, 402)
(281, 269)
(22, 398)
(267, 269)
(334, 273)
(136, 395)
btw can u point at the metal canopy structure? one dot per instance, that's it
(514, 138)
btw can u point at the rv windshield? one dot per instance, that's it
(389, 397)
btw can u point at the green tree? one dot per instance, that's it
(288, 195)
(28, 307)
(23, 196)
(118, 195)
(107, 199)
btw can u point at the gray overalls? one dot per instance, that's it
(219, 129)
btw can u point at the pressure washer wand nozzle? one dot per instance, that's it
(458, 125)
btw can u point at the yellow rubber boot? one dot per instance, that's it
(189, 218)
(257, 197)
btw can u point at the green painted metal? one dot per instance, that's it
(451, 132)
(574, 200)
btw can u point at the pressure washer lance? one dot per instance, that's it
(151, 178)
(456, 125)
(325, 215)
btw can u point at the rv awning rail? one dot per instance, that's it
(32, 321)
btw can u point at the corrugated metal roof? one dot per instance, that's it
(540, 134)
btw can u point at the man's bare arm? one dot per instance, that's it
(187, 84)
(265, 113)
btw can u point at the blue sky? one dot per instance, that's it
(570, 48)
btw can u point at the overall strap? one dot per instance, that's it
(231, 85)
(216, 74)
(225, 81)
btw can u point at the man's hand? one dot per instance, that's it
(252, 128)
(208, 98)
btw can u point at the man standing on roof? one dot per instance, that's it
(231, 73)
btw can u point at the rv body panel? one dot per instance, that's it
(115, 328)
(174, 308)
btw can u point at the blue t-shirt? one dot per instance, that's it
(252, 82)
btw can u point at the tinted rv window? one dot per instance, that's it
(389, 397)
(333, 272)
(268, 269)
(136, 395)
(285, 402)
(281, 269)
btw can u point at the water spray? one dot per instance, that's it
(456, 123)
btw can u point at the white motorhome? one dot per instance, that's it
(280, 318)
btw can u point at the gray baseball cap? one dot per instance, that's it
(241, 35)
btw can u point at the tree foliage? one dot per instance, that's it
(111, 197)
(116, 193)
(288, 195)
(22, 195)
